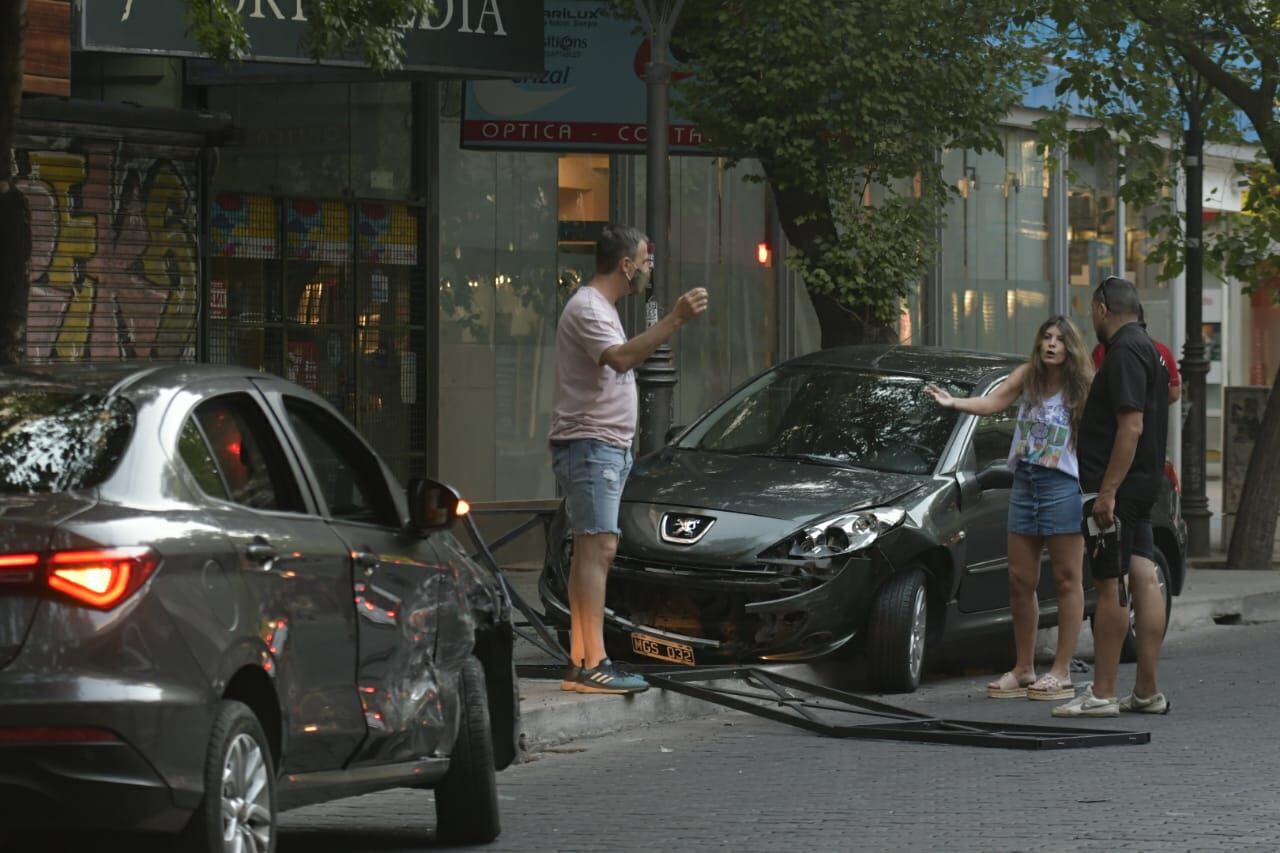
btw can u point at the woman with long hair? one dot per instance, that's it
(1045, 504)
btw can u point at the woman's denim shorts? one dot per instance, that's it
(591, 475)
(1044, 502)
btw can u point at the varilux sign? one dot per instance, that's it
(497, 38)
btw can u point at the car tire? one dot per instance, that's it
(239, 776)
(896, 633)
(1129, 651)
(467, 796)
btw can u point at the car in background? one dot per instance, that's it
(216, 603)
(827, 503)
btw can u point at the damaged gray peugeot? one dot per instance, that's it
(828, 504)
(216, 603)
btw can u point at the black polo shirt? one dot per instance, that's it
(1132, 378)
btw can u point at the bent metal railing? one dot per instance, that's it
(774, 696)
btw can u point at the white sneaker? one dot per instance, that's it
(1088, 705)
(1156, 703)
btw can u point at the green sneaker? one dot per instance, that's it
(607, 678)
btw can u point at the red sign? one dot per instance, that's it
(579, 134)
(217, 299)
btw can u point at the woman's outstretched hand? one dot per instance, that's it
(940, 395)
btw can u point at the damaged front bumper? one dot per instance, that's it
(758, 613)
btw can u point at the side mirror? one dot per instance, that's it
(995, 477)
(672, 433)
(434, 506)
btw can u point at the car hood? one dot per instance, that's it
(784, 489)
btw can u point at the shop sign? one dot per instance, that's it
(478, 37)
(591, 95)
(1243, 407)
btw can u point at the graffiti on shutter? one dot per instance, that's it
(114, 266)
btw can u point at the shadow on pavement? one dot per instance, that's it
(354, 840)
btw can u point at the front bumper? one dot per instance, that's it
(724, 619)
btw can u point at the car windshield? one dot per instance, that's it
(833, 416)
(53, 439)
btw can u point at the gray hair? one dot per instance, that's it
(616, 242)
(1119, 296)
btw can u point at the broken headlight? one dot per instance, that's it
(844, 534)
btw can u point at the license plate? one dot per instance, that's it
(654, 647)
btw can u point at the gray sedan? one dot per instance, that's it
(216, 603)
(828, 503)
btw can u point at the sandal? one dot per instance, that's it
(1050, 687)
(1008, 686)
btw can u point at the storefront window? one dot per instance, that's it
(995, 270)
(1091, 232)
(318, 139)
(500, 294)
(717, 220)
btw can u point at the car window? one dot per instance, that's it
(195, 452)
(351, 480)
(55, 439)
(993, 436)
(248, 454)
(861, 418)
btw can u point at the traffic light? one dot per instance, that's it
(764, 254)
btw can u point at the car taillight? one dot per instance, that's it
(1171, 474)
(100, 578)
(18, 568)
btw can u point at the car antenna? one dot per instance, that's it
(875, 362)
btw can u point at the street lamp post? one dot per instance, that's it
(656, 378)
(1195, 364)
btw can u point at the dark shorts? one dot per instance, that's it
(1136, 539)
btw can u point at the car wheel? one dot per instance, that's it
(1129, 651)
(238, 812)
(896, 633)
(467, 797)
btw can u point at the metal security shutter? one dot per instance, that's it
(115, 266)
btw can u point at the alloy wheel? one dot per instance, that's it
(246, 798)
(919, 616)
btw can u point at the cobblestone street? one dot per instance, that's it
(1207, 781)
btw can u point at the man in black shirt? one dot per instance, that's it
(1121, 448)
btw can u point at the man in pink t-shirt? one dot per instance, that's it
(593, 421)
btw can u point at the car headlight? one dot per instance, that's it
(844, 534)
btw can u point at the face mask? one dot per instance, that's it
(639, 281)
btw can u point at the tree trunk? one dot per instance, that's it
(1253, 536)
(15, 218)
(807, 221)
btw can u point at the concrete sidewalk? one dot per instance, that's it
(552, 717)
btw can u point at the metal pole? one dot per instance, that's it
(656, 378)
(1195, 366)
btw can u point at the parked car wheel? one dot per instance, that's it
(467, 797)
(896, 633)
(238, 812)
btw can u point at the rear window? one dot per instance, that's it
(57, 440)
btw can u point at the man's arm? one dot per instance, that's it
(1128, 431)
(632, 354)
(1175, 394)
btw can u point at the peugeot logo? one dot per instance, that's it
(681, 529)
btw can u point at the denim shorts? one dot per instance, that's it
(1044, 502)
(591, 475)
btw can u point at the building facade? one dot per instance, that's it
(340, 230)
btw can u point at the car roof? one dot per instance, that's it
(969, 367)
(102, 377)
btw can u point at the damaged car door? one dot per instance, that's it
(397, 586)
